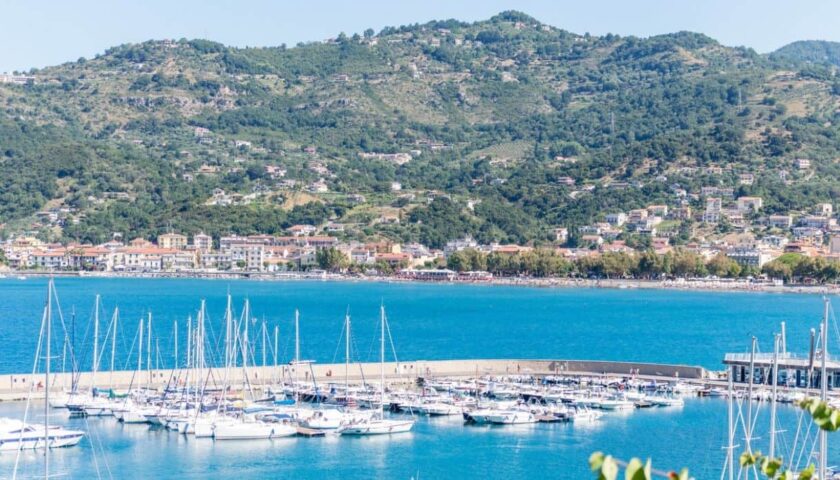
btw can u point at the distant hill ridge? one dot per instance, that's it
(813, 51)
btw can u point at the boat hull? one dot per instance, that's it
(382, 427)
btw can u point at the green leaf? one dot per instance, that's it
(748, 459)
(770, 466)
(808, 473)
(609, 470)
(637, 471)
(596, 460)
(835, 420)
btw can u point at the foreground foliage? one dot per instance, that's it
(824, 416)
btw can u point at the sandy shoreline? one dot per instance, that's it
(680, 284)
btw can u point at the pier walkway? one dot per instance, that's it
(17, 386)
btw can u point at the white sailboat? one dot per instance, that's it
(334, 418)
(131, 412)
(17, 435)
(379, 425)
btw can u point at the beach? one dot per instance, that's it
(699, 284)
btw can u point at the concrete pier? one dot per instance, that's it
(18, 386)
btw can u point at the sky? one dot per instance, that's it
(38, 33)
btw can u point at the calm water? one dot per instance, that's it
(428, 322)
(438, 448)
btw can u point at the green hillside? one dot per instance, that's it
(489, 116)
(813, 51)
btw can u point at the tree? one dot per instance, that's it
(687, 264)
(649, 265)
(617, 264)
(778, 270)
(723, 266)
(331, 259)
(468, 259)
(369, 33)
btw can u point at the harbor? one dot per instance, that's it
(220, 372)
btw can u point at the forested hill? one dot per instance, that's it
(814, 51)
(503, 129)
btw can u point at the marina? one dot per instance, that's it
(222, 381)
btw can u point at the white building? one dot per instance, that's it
(617, 219)
(458, 245)
(203, 242)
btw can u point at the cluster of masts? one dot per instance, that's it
(805, 446)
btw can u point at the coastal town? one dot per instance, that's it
(751, 242)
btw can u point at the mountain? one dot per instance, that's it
(812, 51)
(502, 129)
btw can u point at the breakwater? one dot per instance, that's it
(18, 386)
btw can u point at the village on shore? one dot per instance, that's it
(598, 251)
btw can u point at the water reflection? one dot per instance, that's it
(441, 447)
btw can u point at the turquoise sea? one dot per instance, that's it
(427, 322)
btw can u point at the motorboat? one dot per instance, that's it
(377, 426)
(438, 409)
(511, 417)
(17, 435)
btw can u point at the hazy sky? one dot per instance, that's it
(36, 33)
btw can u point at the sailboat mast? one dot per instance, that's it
(297, 354)
(149, 348)
(175, 345)
(73, 379)
(140, 349)
(95, 341)
(824, 391)
(776, 344)
(347, 357)
(748, 425)
(730, 448)
(276, 340)
(189, 355)
(245, 339)
(228, 333)
(50, 287)
(199, 344)
(114, 344)
(382, 360)
(64, 363)
(264, 338)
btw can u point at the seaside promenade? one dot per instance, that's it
(699, 284)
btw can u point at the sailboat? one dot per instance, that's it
(247, 426)
(379, 425)
(99, 406)
(133, 412)
(329, 418)
(78, 402)
(16, 435)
